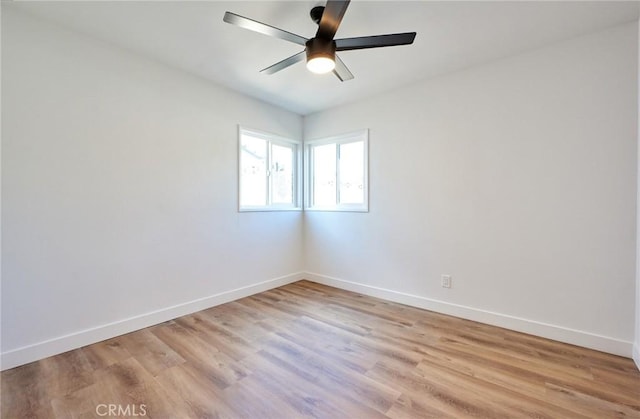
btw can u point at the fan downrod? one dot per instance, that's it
(316, 14)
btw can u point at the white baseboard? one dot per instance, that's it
(26, 354)
(532, 327)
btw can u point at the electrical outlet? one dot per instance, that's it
(446, 281)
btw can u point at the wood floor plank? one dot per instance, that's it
(219, 336)
(306, 350)
(317, 400)
(411, 407)
(25, 392)
(222, 370)
(433, 394)
(513, 401)
(194, 393)
(151, 352)
(587, 405)
(105, 353)
(334, 352)
(334, 375)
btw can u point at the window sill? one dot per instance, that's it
(269, 209)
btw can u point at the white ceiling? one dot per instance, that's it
(451, 36)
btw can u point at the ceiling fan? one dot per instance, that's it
(320, 51)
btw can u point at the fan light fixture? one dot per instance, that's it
(320, 51)
(321, 55)
(321, 65)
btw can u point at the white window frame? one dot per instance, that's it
(271, 139)
(352, 137)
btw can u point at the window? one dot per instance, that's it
(268, 172)
(337, 173)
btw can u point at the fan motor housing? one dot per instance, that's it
(318, 47)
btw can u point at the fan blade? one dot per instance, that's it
(375, 41)
(342, 71)
(263, 28)
(331, 18)
(284, 63)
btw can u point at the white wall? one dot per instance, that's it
(119, 193)
(636, 346)
(518, 178)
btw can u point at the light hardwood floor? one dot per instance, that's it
(307, 350)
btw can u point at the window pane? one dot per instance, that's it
(352, 173)
(281, 174)
(324, 175)
(253, 169)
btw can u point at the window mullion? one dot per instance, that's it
(338, 174)
(312, 178)
(308, 176)
(269, 177)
